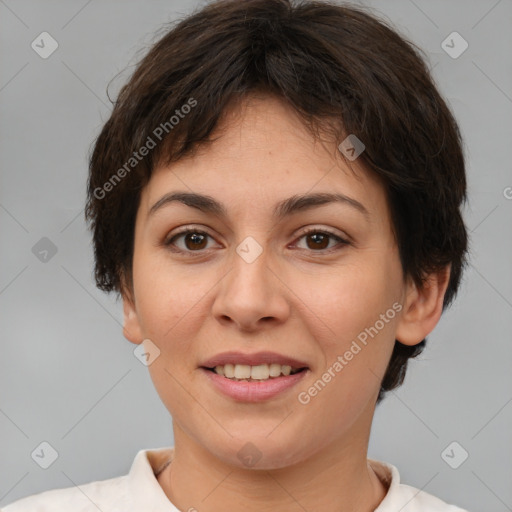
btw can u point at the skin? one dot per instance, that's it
(295, 299)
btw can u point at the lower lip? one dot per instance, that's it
(255, 391)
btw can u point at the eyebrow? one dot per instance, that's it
(285, 208)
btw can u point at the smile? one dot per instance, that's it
(245, 372)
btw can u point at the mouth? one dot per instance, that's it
(253, 377)
(249, 373)
(244, 388)
(260, 366)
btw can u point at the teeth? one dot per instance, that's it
(259, 372)
(275, 370)
(229, 370)
(242, 371)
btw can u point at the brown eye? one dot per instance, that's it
(194, 240)
(318, 240)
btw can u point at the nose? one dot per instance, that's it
(252, 295)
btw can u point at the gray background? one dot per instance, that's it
(67, 375)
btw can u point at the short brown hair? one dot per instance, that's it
(338, 67)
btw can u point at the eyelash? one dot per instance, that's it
(341, 241)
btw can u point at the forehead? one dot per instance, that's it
(261, 153)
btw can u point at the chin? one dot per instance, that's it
(259, 452)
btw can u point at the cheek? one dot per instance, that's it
(354, 320)
(169, 301)
(349, 298)
(355, 352)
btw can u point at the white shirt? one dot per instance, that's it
(139, 491)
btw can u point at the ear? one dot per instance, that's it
(131, 329)
(422, 307)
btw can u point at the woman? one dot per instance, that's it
(276, 198)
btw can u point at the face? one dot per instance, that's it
(252, 279)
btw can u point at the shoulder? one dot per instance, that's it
(416, 500)
(137, 490)
(106, 495)
(404, 497)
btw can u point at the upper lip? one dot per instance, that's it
(252, 359)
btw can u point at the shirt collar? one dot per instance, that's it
(390, 477)
(147, 494)
(144, 488)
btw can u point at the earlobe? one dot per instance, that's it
(131, 328)
(423, 306)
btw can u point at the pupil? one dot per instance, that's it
(196, 238)
(319, 237)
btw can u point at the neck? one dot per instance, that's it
(338, 477)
